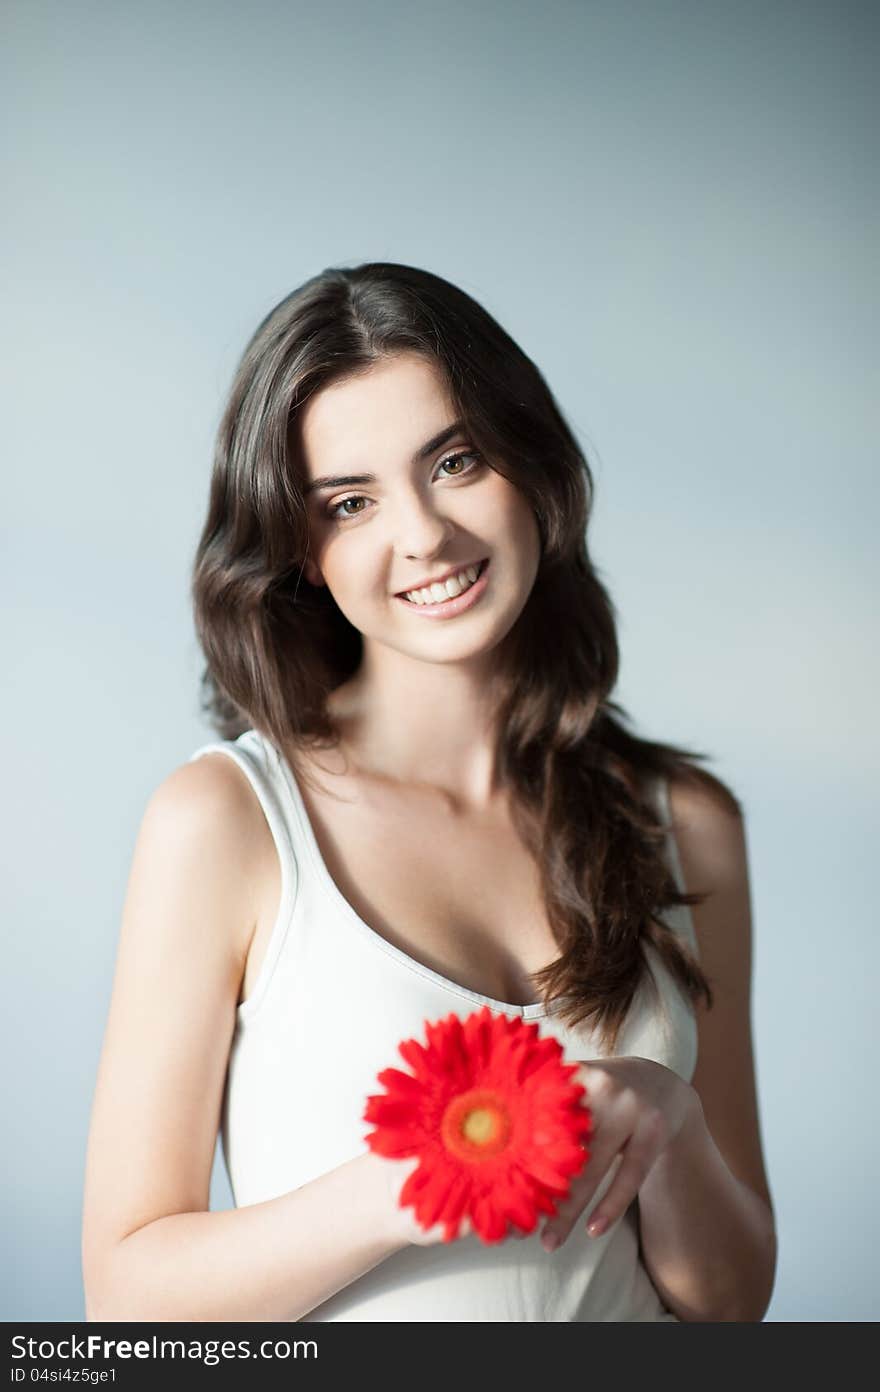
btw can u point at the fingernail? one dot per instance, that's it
(550, 1242)
(597, 1226)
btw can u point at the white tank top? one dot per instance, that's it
(332, 1001)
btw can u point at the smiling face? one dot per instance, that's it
(431, 506)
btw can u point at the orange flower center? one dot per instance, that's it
(475, 1125)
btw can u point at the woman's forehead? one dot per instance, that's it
(391, 408)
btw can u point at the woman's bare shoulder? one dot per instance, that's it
(699, 798)
(708, 823)
(213, 781)
(208, 806)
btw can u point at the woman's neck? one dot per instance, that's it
(418, 722)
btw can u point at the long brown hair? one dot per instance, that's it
(276, 646)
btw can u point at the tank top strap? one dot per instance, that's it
(679, 917)
(665, 812)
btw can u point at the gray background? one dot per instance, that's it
(671, 206)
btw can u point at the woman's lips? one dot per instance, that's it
(448, 608)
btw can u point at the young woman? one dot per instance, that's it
(421, 801)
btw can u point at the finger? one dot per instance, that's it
(637, 1158)
(585, 1192)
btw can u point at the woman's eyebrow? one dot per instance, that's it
(347, 480)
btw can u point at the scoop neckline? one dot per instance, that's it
(533, 1011)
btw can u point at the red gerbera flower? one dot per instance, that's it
(492, 1112)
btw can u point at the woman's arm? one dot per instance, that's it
(269, 1261)
(151, 1250)
(705, 1213)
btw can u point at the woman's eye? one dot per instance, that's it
(456, 459)
(339, 512)
(335, 511)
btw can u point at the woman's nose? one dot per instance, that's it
(420, 529)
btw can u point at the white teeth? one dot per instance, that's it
(448, 589)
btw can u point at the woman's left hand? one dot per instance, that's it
(639, 1109)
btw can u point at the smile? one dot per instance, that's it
(461, 590)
